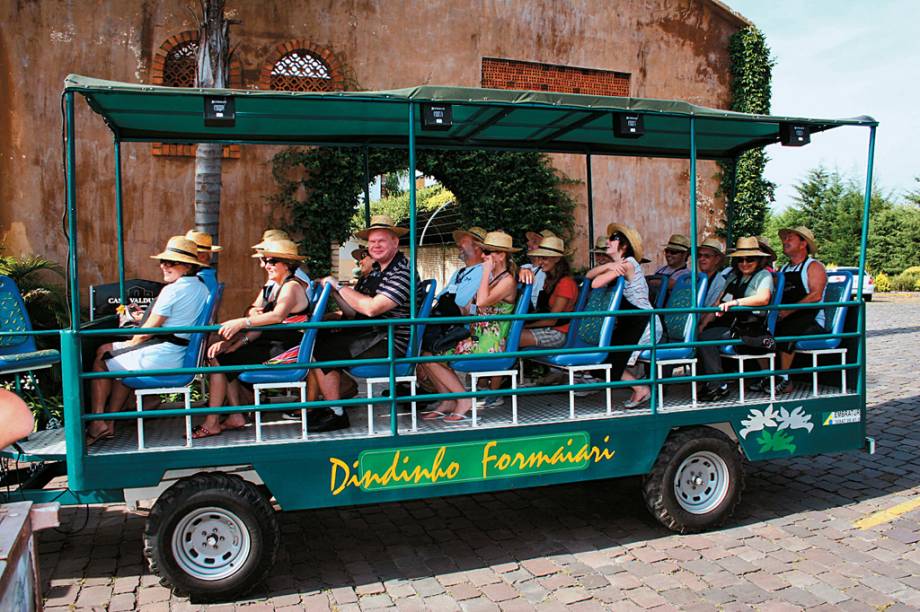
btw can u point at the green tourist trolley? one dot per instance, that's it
(212, 531)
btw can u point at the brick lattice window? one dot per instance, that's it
(513, 74)
(300, 66)
(174, 65)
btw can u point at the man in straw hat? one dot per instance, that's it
(206, 249)
(386, 298)
(676, 254)
(710, 255)
(805, 280)
(464, 283)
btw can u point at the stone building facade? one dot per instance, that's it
(651, 48)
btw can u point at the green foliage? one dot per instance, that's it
(322, 187)
(906, 281)
(397, 207)
(44, 300)
(751, 70)
(831, 205)
(882, 283)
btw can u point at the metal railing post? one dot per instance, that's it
(863, 242)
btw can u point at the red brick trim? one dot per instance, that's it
(156, 78)
(336, 71)
(500, 73)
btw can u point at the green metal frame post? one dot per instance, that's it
(730, 206)
(863, 243)
(590, 187)
(367, 189)
(694, 281)
(72, 270)
(119, 224)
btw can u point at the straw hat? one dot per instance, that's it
(362, 248)
(804, 233)
(746, 247)
(712, 243)
(476, 233)
(282, 249)
(499, 241)
(203, 241)
(382, 222)
(535, 236)
(551, 246)
(678, 242)
(181, 249)
(635, 239)
(600, 245)
(764, 245)
(270, 235)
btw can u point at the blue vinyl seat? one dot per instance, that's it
(19, 353)
(839, 286)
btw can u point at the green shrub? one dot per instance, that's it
(913, 270)
(905, 281)
(882, 282)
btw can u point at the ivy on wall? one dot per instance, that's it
(514, 191)
(751, 71)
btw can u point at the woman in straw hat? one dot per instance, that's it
(179, 304)
(624, 247)
(239, 344)
(275, 235)
(749, 284)
(496, 295)
(559, 294)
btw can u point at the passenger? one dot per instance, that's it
(764, 245)
(805, 281)
(179, 304)
(676, 253)
(270, 235)
(16, 418)
(239, 344)
(710, 255)
(748, 285)
(559, 294)
(624, 246)
(533, 241)
(386, 296)
(205, 249)
(496, 295)
(364, 265)
(465, 282)
(600, 251)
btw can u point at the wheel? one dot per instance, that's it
(212, 536)
(696, 481)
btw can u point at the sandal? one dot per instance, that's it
(224, 427)
(434, 415)
(457, 418)
(105, 434)
(200, 431)
(638, 402)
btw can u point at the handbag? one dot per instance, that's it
(756, 339)
(440, 338)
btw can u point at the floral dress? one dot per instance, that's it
(486, 336)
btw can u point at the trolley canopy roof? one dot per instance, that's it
(482, 119)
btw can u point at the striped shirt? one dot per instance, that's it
(395, 284)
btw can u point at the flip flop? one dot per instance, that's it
(200, 431)
(637, 403)
(106, 434)
(226, 428)
(433, 415)
(457, 418)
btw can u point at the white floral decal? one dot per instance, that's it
(757, 420)
(797, 419)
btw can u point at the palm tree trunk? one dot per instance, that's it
(213, 68)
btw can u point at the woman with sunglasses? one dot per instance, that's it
(749, 284)
(496, 295)
(179, 304)
(282, 296)
(624, 247)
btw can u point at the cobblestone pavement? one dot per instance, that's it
(792, 544)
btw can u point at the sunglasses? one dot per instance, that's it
(271, 260)
(488, 252)
(673, 251)
(747, 259)
(617, 236)
(168, 264)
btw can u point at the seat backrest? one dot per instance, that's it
(839, 286)
(596, 331)
(779, 282)
(523, 305)
(14, 317)
(429, 288)
(679, 326)
(572, 337)
(194, 352)
(657, 288)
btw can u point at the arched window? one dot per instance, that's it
(174, 65)
(300, 66)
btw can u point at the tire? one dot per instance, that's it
(687, 506)
(202, 511)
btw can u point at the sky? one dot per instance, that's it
(844, 58)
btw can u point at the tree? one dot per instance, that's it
(213, 71)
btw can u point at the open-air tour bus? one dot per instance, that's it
(212, 530)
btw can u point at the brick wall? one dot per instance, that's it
(513, 74)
